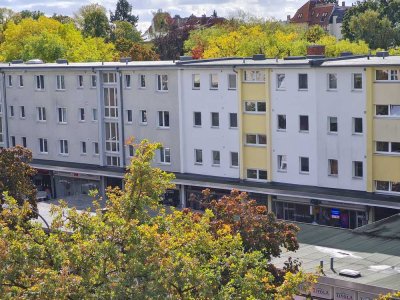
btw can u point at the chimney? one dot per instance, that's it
(343, 3)
(314, 50)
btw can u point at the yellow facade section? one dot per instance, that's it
(386, 93)
(254, 157)
(386, 168)
(387, 130)
(370, 118)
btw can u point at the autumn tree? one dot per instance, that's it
(93, 21)
(141, 52)
(16, 175)
(133, 249)
(123, 12)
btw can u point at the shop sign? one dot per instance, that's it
(343, 294)
(366, 296)
(322, 291)
(77, 175)
(335, 213)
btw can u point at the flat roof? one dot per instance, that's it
(376, 258)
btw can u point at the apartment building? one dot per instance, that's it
(315, 139)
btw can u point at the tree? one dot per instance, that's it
(123, 12)
(62, 18)
(140, 52)
(314, 33)
(49, 40)
(123, 252)
(16, 175)
(376, 31)
(93, 21)
(33, 14)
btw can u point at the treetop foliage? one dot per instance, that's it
(134, 249)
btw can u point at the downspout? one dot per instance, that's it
(122, 141)
(5, 115)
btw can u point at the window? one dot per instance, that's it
(304, 123)
(129, 116)
(112, 137)
(12, 141)
(256, 139)
(332, 167)
(131, 150)
(303, 81)
(304, 165)
(21, 80)
(127, 81)
(24, 143)
(110, 102)
(112, 160)
(95, 148)
(234, 159)
(282, 122)
(282, 163)
(358, 169)
(109, 77)
(254, 106)
(384, 75)
(165, 155)
(39, 82)
(254, 76)
(231, 81)
(214, 119)
(143, 117)
(60, 82)
(93, 81)
(62, 115)
(388, 147)
(332, 125)
(94, 114)
(142, 81)
(64, 147)
(256, 174)
(81, 114)
(80, 81)
(43, 145)
(83, 148)
(9, 82)
(197, 118)
(357, 81)
(233, 121)
(196, 81)
(357, 125)
(162, 82)
(280, 81)
(216, 158)
(163, 119)
(387, 186)
(198, 156)
(213, 81)
(22, 112)
(41, 111)
(332, 81)
(11, 111)
(387, 110)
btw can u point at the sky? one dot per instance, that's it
(278, 9)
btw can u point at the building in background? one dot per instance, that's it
(316, 139)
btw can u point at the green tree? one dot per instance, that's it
(122, 252)
(314, 33)
(92, 20)
(16, 175)
(48, 40)
(123, 12)
(376, 31)
(33, 14)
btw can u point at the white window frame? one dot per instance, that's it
(21, 81)
(257, 175)
(331, 123)
(196, 81)
(128, 81)
(390, 187)
(111, 137)
(96, 150)
(95, 115)
(390, 110)
(131, 150)
(392, 75)
(13, 141)
(61, 115)
(282, 163)
(43, 146)
(330, 170)
(83, 148)
(162, 82)
(212, 119)
(163, 119)
(308, 124)
(277, 122)
(60, 80)
(354, 163)
(281, 81)
(257, 105)
(214, 81)
(82, 114)
(230, 87)
(41, 114)
(231, 159)
(307, 85)
(80, 81)
(258, 138)
(165, 156)
(142, 81)
(109, 77)
(390, 148)
(353, 82)
(143, 117)
(129, 115)
(93, 81)
(329, 77)
(200, 161)
(24, 141)
(354, 126)
(301, 165)
(63, 147)
(230, 120)
(12, 112)
(214, 155)
(22, 112)
(194, 119)
(253, 76)
(39, 82)
(110, 98)
(9, 81)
